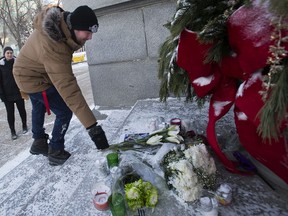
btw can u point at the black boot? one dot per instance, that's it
(57, 156)
(40, 146)
(24, 129)
(13, 135)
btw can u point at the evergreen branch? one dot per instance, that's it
(274, 112)
(208, 18)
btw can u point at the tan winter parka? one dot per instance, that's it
(45, 61)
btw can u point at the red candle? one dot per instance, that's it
(100, 201)
(176, 121)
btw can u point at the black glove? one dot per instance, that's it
(98, 136)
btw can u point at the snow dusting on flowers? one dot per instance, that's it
(200, 158)
(190, 170)
(184, 180)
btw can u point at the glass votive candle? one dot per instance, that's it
(101, 164)
(101, 194)
(224, 194)
(112, 159)
(176, 121)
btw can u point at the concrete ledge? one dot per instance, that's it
(70, 5)
(125, 5)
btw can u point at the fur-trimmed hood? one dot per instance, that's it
(49, 22)
(3, 60)
(52, 23)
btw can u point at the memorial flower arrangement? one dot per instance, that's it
(188, 170)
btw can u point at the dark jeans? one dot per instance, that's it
(59, 108)
(10, 108)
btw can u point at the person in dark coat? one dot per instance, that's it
(10, 93)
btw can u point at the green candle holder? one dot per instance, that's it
(112, 159)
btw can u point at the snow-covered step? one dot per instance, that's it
(35, 188)
(22, 183)
(60, 186)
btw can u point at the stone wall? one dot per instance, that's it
(123, 54)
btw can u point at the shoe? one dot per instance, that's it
(13, 136)
(24, 129)
(40, 146)
(57, 156)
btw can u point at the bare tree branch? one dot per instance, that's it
(18, 16)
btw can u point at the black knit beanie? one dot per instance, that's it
(84, 18)
(6, 49)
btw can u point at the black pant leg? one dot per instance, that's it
(22, 111)
(10, 109)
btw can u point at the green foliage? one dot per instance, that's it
(208, 19)
(194, 14)
(170, 156)
(141, 193)
(274, 110)
(173, 79)
(208, 181)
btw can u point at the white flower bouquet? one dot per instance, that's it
(189, 170)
